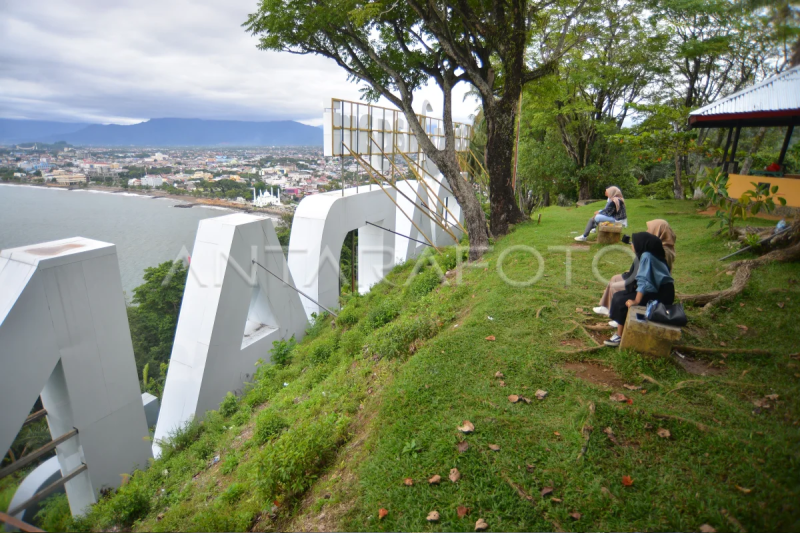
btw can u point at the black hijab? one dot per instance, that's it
(647, 242)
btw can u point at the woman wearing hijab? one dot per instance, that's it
(621, 282)
(653, 282)
(614, 211)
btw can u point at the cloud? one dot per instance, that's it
(126, 61)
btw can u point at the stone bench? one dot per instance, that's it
(608, 234)
(648, 337)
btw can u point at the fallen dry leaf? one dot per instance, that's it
(408, 482)
(513, 398)
(772, 397)
(741, 304)
(435, 480)
(540, 394)
(462, 511)
(455, 475)
(759, 309)
(705, 528)
(499, 375)
(556, 433)
(579, 309)
(627, 481)
(466, 427)
(781, 304)
(632, 387)
(556, 500)
(722, 343)
(462, 446)
(575, 516)
(545, 491)
(502, 383)
(742, 327)
(433, 516)
(481, 525)
(530, 467)
(494, 447)
(663, 433)
(762, 403)
(490, 338)
(382, 513)
(745, 490)
(629, 401)
(617, 397)
(524, 399)
(611, 437)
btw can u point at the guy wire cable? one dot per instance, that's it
(294, 288)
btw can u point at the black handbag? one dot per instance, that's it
(672, 315)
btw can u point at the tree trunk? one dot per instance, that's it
(500, 155)
(583, 189)
(677, 186)
(757, 140)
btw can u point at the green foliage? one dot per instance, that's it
(411, 448)
(658, 190)
(322, 350)
(400, 338)
(352, 342)
(153, 318)
(290, 465)
(423, 283)
(181, 439)
(55, 514)
(761, 197)
(281, 353)
(381, 314)
(229, 405)
(348, 317)
(268, 426)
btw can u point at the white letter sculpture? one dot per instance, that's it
(232, 312)
(64, 334)
(320, 225)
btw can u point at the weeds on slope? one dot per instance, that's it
(245, 465)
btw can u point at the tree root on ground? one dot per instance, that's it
(744, 270)
(698, 349)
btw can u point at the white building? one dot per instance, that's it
(152, 181)
(265, 198)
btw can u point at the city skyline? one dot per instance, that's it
(95, 62)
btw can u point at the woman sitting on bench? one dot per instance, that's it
(614, 211)
(653, 282)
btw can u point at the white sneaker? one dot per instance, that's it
(594, 230)
(613, 324)
(613, 341)
(602, 310)
(580, 238)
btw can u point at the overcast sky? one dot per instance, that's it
(124, 61)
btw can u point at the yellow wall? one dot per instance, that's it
(789, 188)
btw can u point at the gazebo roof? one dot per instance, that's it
(772, 102)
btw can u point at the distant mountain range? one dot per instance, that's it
(163, 132)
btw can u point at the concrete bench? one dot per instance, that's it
(609, 234)
(648, 337)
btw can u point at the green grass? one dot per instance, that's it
(407, 363)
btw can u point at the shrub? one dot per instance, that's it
(423, 283)
(397, 339)
(229, 405)
(381, 314)
(181, 439)
(347, 317)
(281, 353)
(230, 463)
(234, 493)
(658, 190)
(352, 342)
(290, 465)
(323, 350)
(242, 415)
(268, 426)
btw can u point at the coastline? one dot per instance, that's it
(185, 201)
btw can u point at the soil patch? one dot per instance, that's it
(596, 374)
(697, 367)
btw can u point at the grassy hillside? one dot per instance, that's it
(375, 397)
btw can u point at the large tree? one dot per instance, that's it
(396, 47)
(385, 46)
